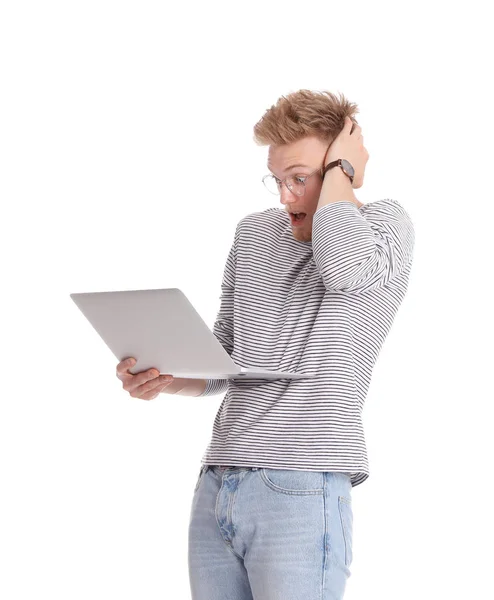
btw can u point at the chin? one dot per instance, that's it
(301, 236)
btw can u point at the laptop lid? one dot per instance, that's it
(159, 327)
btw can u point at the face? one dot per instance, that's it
(308, 152)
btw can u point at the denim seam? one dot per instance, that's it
(343, 499)
(201, 472)
(226, 542)
(326, 534)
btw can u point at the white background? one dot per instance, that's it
(126, 161)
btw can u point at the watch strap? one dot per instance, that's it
(335, 163)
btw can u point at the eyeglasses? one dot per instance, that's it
(295, 183)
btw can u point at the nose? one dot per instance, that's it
(286, 196)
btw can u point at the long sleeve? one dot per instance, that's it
(357, 252)
(223, 326)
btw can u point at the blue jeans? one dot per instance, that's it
(269, 534)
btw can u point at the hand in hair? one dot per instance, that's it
(349, 144)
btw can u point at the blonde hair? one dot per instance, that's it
(304, 113)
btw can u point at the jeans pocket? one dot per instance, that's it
(346, 518)
(291, 481)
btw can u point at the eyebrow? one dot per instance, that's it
(294, 166)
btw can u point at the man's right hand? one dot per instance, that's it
(146, 385)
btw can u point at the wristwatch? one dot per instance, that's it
(346, 167)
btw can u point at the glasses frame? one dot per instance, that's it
(283, 181)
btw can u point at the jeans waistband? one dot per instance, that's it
(231, 467)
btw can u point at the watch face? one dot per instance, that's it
(347, 167)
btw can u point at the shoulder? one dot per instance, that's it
(387, 207)
(264, 217)
(270, 218)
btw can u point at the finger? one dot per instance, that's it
(155, 393)
(153, 397)
(139, 385)
(141, 379)
(124, 366)
(150, 390)
(355, 129)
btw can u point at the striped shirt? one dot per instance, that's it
(324, 307)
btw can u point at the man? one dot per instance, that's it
(272, 511)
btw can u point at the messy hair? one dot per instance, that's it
(304, 113)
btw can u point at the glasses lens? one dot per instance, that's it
(271, 185)
(295, 185)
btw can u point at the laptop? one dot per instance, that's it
(161, 329)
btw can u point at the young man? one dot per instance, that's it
(272, 509)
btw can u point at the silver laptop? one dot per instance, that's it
(161, 329)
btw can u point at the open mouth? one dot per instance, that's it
(297, 218)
